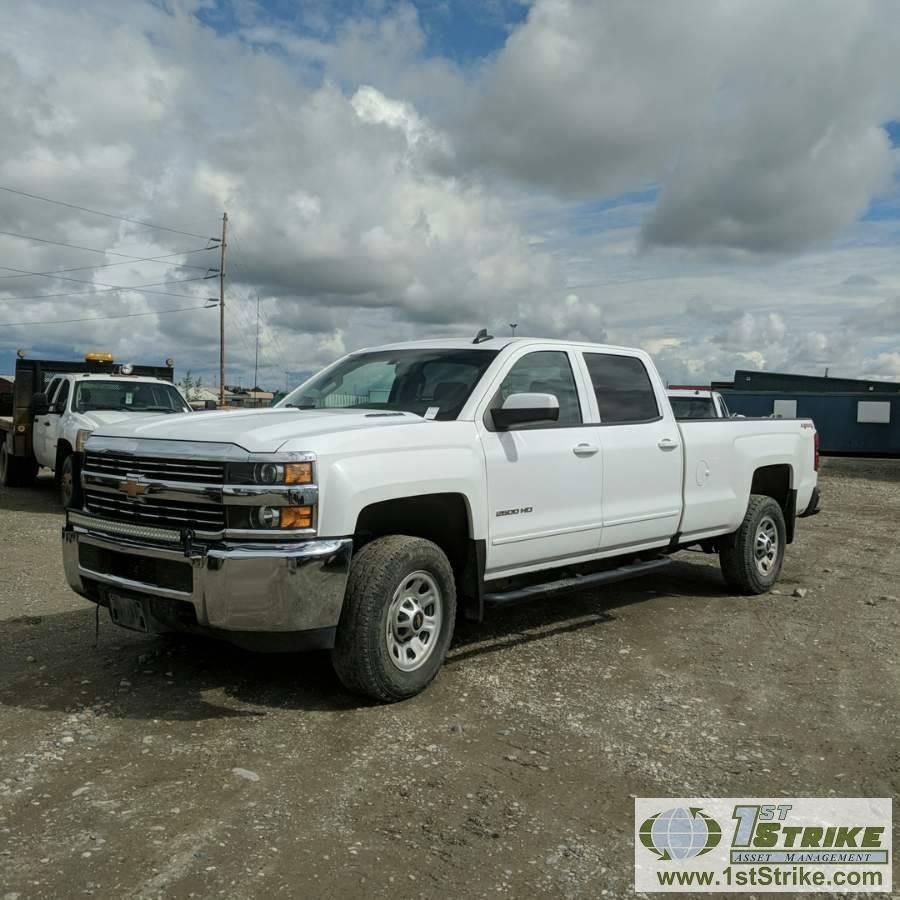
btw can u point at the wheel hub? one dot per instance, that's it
(414, 621)
(766, 549)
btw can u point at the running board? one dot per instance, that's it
(579, 583)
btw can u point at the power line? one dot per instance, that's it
(138, 288)
(121, 287)
(107, 215)
(159, 312)
(29, 237)
(164, 256)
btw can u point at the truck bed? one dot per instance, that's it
(720, 457)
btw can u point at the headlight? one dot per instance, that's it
(284, 517)
(81, 438)
(269, 473)
(288, 473)
(267, 517)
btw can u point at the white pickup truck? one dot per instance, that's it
(407, 482)
(73, 406)
(695, 403)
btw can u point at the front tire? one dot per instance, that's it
(398, 618)
(69, 484)
(752, 564)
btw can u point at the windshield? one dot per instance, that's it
(128, 396)
(431, 383)
(693, 407)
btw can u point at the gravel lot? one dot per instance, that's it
(146, 767)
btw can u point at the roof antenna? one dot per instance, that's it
(482, 336)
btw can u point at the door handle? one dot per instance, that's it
(585, 449)
(667, 444)
(46, 424)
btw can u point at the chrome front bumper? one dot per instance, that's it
(232, 586)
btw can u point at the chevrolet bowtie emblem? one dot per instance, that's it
(132, 488)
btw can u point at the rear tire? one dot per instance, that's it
(752, 564)
(397, 620)
(6, 475)
(15, 472)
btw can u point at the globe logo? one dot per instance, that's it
(680, 833)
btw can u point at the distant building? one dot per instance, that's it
(201, 396)
(255, 397)
(853, 417)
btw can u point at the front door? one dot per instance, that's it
(544, 482)
(46, 427)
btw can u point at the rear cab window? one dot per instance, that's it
(623, 389)
(693, 408)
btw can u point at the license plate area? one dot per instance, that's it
(128, 612)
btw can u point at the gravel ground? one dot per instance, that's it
(147, 767)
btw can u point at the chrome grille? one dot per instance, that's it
(161, 513)
(156, 468)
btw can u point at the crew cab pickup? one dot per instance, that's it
(407, 482)
(58, 404)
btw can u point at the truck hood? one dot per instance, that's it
(98, 418)
(256, 430)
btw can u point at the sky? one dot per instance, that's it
(715, 181)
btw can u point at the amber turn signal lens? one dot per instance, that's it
(298, 473)
(296, 517)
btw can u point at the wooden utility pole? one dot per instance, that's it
(222, 312)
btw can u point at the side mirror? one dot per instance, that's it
(210, 404)
(525, 409)
(40, 406)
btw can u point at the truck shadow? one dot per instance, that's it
(52, 662)
(40, 499)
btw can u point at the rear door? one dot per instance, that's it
(544, 482)
(641, 449)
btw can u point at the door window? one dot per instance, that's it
(544, 372)
(623, 389)
(51, 390)
(59, 404)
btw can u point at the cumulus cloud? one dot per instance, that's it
(335, 213)
(759, 120)
(377, 191)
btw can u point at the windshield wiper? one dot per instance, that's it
(302, 405)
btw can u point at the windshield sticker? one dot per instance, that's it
(431, 412)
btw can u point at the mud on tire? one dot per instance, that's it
(398, 588)
(752, 563)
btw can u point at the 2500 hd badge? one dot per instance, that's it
(518, 511)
